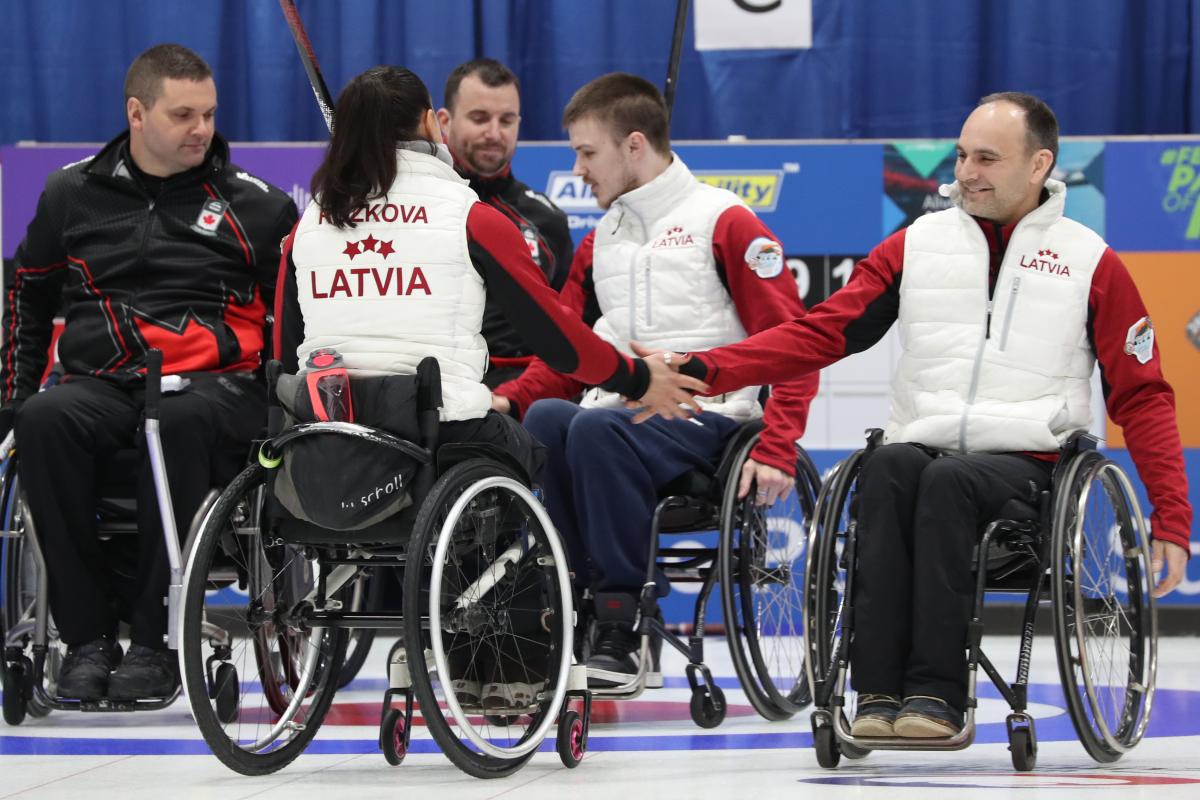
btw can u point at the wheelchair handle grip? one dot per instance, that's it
(154, 362)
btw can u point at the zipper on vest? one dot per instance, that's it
(633, 303)
(1008, 312)
(649, 305)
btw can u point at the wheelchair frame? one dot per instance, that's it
(318, 613)
(26, 676)
(696, 511)
(1039, 544)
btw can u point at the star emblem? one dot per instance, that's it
(351, 249)
(369, 243)
(386, 249)
(1054, 256)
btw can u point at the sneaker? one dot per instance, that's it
(616, 653)
(145, 672)
(85, 671)
(504, 696)
(617, 647)
(874, 715)
(468, 692)
(924, 717)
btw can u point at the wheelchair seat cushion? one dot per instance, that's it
(343, 482)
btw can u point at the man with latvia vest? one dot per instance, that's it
(1005, 307)
(674, 263)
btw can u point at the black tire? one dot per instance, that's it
(474, 545)
(14, 680)
(1105, 629)
(225, 693)
(571, 743)
(708, 707)
(230, 550)
(1023, 750)
(393, 737)
(826, 746)
(824, 579)
(761, 576)
(358, 647)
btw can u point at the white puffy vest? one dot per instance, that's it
(1007, 375)
(399, 286)
(657, 282)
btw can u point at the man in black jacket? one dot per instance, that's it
(481, 120)
(155, 242)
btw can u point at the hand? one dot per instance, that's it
(673, 360)
(501, 403)
(670, 395)
(773, 484)
(1175, 558)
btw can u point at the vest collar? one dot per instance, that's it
(1050, 210)
(649, 201)
(427, 158)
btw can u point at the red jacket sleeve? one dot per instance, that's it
(750, 254)
(852, 320)
(557, 334)
(539, 381)
(1138, 397)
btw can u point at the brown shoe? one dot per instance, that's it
(874, 715)
(925, 717)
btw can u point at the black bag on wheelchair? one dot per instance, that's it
(339, 480)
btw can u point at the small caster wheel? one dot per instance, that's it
(226, 693)
(14, 693)
(708, 707)
(1023, 749)
(825, 743)
(571, 742)
(393, 737)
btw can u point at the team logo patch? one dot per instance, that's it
(210, 216)
(1139, 342)
(765, 257)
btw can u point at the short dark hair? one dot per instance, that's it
(376, 111)
(145, 77)
(1041, 126)
(488, 70)
(626, 103)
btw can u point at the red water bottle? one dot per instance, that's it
(329, 386)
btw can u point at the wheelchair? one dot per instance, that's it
(485, 587)
(757, 565)
(1084, 551)
(33, 655)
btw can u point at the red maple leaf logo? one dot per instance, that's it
(209, 220)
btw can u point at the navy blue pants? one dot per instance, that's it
(602, 478)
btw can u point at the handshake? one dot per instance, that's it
(670, 395)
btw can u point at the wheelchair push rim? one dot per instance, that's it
(761, 576)
(531, 739)
(256, 639)
(1107, 649)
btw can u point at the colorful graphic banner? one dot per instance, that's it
(1154, 195)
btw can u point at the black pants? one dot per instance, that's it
(68, 433)
(919, 518)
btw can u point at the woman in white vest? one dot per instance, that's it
(1005, 306)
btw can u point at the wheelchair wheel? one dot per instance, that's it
(825, 570)
(254, 635)
(486, 569)
(1105, 629)
(761, 575)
